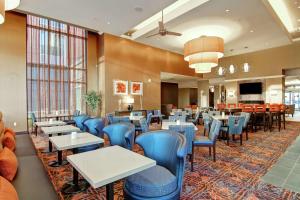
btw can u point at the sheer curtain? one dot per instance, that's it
(56, 67)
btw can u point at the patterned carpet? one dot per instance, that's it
(235, 175)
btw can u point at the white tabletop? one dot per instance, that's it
(220, 117)
(165, 124)
(49, 123)
(59, 129)
(59, 115)
(135, 118)
(106, 165)
(82, 139)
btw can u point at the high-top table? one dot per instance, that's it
(66, 142)
(105, 166)
(47, 124)
(165, 125)
(58, 130)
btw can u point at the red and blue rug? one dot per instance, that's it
(235, 175)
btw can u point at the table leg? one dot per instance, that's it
(50, 148)
(76, 185)
(110, 191)
(36, 130)
(59, 162)
(57, 118)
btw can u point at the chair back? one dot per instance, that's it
(236, 124)
(221, 106)
(157, 112)
(182, 118)
(260, 108)
(33, 118)
(274, 108)
(110, 117)
(121, 134)
(95, 126)
(240, 105)
(231, 105)
(188, 131)
(76, 113)
(137, 113)
(120, 119)
(247, 118)
(79, 121)
(248, 108)
(168, 148)
(206, 120)
(149, 117)
(213, 113)
(214, 130)
(144, 125)
(172, 118)
(282, 107)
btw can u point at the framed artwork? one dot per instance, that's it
(120, 87)
(136, 88)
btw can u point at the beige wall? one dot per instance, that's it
(13, 71)
(203, 93)
(183, 97)
(268, 62)
(231, 92)
(274, 90)
(124, 59)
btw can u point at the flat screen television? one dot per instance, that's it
(251, 88)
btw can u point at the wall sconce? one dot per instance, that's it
(231, 69)
(246, 67)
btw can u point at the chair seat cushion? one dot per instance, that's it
(153, 182)
(202, 140)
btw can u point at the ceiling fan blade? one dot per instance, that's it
(153, 35)
(173, 33)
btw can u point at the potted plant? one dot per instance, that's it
(93, 101)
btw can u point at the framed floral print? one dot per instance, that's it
(136, 88)
(120, 87)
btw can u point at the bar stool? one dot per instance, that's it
(282, 113)
(221, 106)
(275, 115)
(231, 105)
(260, 116)
(249, 109)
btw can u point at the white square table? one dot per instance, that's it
(47, 124)
(135, 118)
(66, 142)
(165, 125)
(105, 166)
(58, 130)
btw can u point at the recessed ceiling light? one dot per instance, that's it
(251, 31)
(227, 10)
(298, 20)
(138, 9)
(108, 23)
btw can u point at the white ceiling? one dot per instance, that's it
(235, 27)
(111, 16)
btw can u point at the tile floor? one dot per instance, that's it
(286, 171)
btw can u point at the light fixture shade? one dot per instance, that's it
(221, 71)
(204, 46)
(231, 69)
(203, 61)
(2, 11)
(246, 67)
(202, 69)
(11, 4)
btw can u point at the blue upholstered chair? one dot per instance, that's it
(144, 127)
(246, 123)
(109, 117)
(172, 118)
(93, 126)
(121, 134)
(235, 127)
(149, 117)
(189, 133)
(196, 119)
(33, 119)
(158, 115)
(163, 181)
(209, 141)
(120, 119)
(79, 121)
(206, 122)
(71, 121)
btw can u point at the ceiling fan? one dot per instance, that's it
(162, 31)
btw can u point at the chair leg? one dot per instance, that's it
(192, 158)
(241, 139)
(246, 133)
(214, 152)
(204, 131)
(209, 151)
(233, 137)
(227, 135)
